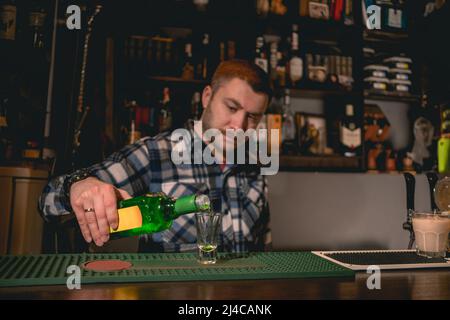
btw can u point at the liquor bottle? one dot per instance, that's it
(201, 5)
(165, 112)
(134, 132)
(303, 8)
(348, 13)
(203, 58)
(36, 21)
(153, 117)
(282, 54)
(169, 65)
(274, 122)
(349, 133)
(196, 107)
(222, 51)
(260, 54)
(154, 212)
(158, 59)
(278, 8)
(141, 56)
(295, 66)
(188, 66)
(443, 154)
(8, 20)
(149, 57)
(231, 49)
(262, 8)
(32, 150)
(288, 126)
(273, 62)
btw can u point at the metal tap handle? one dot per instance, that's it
(432, 179)
(410, 191)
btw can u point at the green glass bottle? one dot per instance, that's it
(154, 212)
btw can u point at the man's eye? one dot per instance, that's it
(232, 109)
(254, 117)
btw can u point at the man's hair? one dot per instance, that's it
(247, 71)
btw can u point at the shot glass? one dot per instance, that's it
(208, 228)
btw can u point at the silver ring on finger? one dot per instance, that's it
(89, 210)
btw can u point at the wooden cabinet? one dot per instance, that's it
(21, 225)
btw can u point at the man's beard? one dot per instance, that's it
(207, 124)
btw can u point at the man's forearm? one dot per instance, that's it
(121, 169)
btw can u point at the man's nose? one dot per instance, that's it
(239, 121)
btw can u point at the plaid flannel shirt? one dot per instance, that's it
(237, 191)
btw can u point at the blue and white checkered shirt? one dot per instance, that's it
(237, 191)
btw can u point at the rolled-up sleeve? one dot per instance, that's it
(128, 169)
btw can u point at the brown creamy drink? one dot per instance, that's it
(431, 232)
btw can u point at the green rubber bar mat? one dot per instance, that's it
(148, 267)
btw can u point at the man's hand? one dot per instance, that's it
(95, 205)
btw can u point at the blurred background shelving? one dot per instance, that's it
(138, 48)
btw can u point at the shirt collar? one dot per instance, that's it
(195, 129)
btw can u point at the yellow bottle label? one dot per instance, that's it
(129, 218)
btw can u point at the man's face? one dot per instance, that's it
(234, 106)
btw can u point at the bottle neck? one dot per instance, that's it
(189, 204)
(349, 110)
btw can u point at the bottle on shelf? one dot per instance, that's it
(153, 117)
(262, 8)
(443, 145)
(201, 5)
(273, 58)
(260, 54)
(226, 50)
(164, 62)
(196, 106)
(274, 122)
(149, 65)
(140, 53)
(155, 212)
(158, 60)
(36, 22)
(348, 13)
(231, 49)
(8, 20)
(444, 154)
(349, 133)
(288, 133)
(165, 111)
(32, 150)
(134, 133)
(203, 62)
(295, 65)
(188, 65)
(278, 8)
(282, 64)
(170, 61)
(222, 51)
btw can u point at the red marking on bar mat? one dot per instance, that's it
(54, 269)
(107, 265)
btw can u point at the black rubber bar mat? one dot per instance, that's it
(385, 259)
